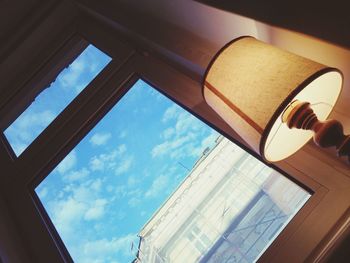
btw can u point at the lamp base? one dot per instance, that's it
(327, 133)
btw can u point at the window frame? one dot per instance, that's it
(311, 225)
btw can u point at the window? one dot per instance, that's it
(54, 99)
(116, 183)
(102, 193)
(199, 240)
(175, 70)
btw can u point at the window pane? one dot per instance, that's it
(52, 101)
(150, 169)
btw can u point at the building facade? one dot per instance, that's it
(228, 209)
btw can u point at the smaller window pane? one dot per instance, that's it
(53, 100)
(199, 246)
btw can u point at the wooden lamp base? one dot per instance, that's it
(327, 133)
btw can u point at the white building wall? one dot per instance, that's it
(205, 205)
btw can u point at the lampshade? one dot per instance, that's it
(250, 83)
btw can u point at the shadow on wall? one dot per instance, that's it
(328, 21)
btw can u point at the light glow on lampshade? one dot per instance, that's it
(249, 84)
(322, 93)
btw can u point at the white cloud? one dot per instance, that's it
(124, 165)
(78, 203)
(66, 214)
(109, 160)
(134, 201)
(171, 113)
(167, 133)
(135, 196)
(121, 149)
(160, 149)
(18, 147)
(170, 146)
(43, 192)
(70, 76)
(187, 150)
(120, 191)
(103, 161)
(96, 210)
(157, 95)
(135, 192)
(132, 181)
(83, 192)
(80, 72)
(209, 140)
(96, 164)
(93, 67)
(103, 249)
(187, 122)
(100, 138)
(77, 175)
(182, 139)
(123, 134)
(157, 186)
(67, 163)
(96, 185)
(79, 87)
(196, 150)
(27, 127)
(30, 119)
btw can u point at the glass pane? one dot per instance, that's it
(152, 183)
(54, 99)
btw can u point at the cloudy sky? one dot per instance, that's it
(111, 183)
(51, 101)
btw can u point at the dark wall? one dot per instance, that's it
(327, 20)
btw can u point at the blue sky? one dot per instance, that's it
(51, 101)
(111, 183)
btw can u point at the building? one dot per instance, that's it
(169, 44)
(228, 209)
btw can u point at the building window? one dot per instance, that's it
(199, 239)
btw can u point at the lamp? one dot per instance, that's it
(274, 99)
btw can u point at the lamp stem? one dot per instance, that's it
(327, 133)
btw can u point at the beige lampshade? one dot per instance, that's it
(249, 84)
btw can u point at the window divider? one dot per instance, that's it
(45, 74)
